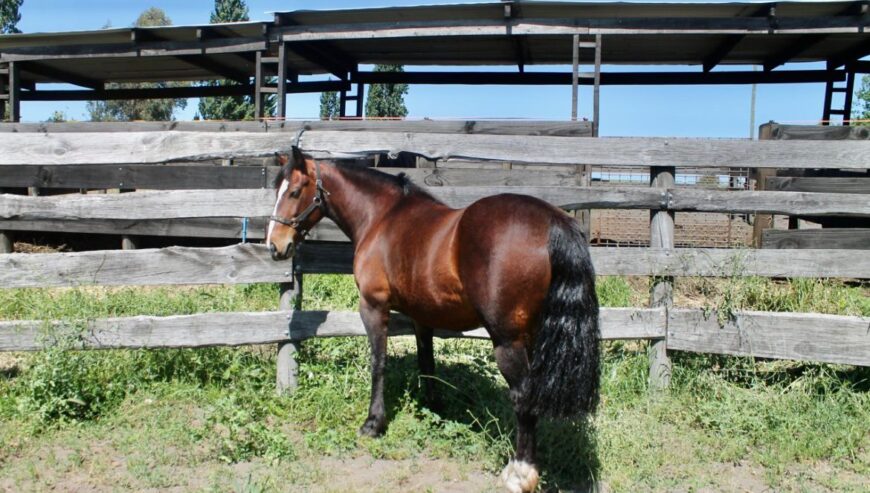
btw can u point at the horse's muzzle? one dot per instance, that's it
(288, 252)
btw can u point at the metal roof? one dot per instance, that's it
(502, 33)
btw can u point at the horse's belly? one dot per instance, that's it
(446, 311)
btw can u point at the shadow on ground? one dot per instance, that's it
(470, 394)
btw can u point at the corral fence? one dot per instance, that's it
(179, 194)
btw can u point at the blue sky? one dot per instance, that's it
(682, 111)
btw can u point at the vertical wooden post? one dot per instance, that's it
(760, 175)
(662, 290)
(282, 80)
(14, 106)
(259, 109)
(6, 243)
(4, 73)
(288, 368)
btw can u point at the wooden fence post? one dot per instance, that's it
(662, 290)
(288, 368)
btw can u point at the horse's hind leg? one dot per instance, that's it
(426, 362)
(520, 475)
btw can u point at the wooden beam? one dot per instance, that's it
(61, 75)
(144, 49)
(223, 227)
(243, 328)
(149, 177)
(804, 43)
(159, 147)
(172, 92)
(259, 202)
(851, 54)
(801, 336)
(247, 263)
(607, 78)
(569, 26)
(830, 238)
(488, 127)
(217, 68)
(819, 184)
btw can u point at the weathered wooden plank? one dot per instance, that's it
(218, 227)
(135, 176)
(819, 184)
(789, 203)
(156, 147)
(623, 151)
(802, 336)
(248, 263)
(780, 131)
(661, 236)
(679, 262)
(832, 238)
(244, 263)
(240, 328)
(259, 202)
(494, 127)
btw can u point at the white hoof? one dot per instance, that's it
(519, 477)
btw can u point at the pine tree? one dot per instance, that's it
(142, 109)
(9, 16)
(329, 108)
(231, 107)
(387, 100)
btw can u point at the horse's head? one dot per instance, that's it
(298, 206)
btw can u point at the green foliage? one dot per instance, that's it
(57, 116)
(9, 16)
(329, 106)
(387, 100)
(861, 106)
(219, 404)
(145, 109)
(231, 107)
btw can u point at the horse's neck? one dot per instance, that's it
(356, 205)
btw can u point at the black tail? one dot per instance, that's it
(565, 370)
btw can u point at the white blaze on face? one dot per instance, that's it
(281, 193)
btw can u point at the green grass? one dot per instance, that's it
(797, 426)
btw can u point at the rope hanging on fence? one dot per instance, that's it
(244, 230)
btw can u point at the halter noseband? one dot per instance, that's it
(320, 194)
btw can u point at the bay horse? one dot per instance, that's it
(511, 263)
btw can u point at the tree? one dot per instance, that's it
(57, 117)
(861, 106)
(148, 109)
(387, 100)
(233, 107)
(9, 16)
(329, 107)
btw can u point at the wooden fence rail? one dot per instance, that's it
(259, 202)
(249, 263)
(814, 337)
(158, 147)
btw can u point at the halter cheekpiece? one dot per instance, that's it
(319, 202)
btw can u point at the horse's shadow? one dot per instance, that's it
(471, 394)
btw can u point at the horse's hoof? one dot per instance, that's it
(519, 477)
(372, 428)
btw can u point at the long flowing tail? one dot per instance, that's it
(565, 371)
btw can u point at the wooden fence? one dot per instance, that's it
(161, 157)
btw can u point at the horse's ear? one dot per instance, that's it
(298, 158)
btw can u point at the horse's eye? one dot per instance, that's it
(294, 194)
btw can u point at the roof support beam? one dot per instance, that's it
(801, 45)
(60, 75)
(174, 92)
(732, 40)
(607, 78)
(851, 54)
(215, 67)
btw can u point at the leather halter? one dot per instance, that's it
(319, 202)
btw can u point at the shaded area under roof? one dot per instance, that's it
(518, 34)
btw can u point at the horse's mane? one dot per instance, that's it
(361, 173)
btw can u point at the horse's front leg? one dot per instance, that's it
(375, 319)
